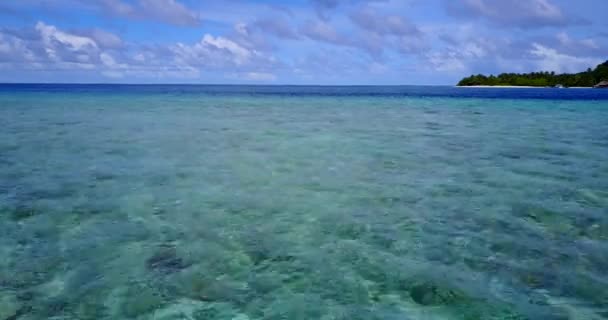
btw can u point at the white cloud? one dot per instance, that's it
(384, 24)
(277, 26)
(590, 43)
(117, 7)
(512, 13)
(241, 55)
(371, 30)
(214, 53)
(167, 11)
(55, 48)
(378, 68)
(323, 31)
(139, 57)
(446, 62)
(412, 44)
(113, 74)
(46, 47)
(565, 40)
(107, 59)
(110, 62)
(473, 50)
(461, 52)
(105, 39)
(51, 35)
(241, 29)
(258, 76)
(550, 59)
(14, 49)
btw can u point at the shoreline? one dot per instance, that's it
(523, 87)
(486, 86)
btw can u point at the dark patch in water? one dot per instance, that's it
(22, 311)
(511, 155)
(26, 296)
(55, 306)
(166, 261)
(430, 294)
(103, 176)
(433, 125)
(22, 212)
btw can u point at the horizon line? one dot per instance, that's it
(227, 84)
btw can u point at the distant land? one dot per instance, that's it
(587, 78)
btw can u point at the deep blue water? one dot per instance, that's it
(281, 202)
(375, 91)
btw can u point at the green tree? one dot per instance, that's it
(587, 78)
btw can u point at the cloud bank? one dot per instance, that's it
(347, 41)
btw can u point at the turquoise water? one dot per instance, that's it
(126, 203)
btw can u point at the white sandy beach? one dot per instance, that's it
(484, 86)
(509, 87)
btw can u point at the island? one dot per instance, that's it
(597, 78)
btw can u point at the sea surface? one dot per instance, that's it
(302, 202)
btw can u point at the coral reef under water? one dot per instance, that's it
(227, 207)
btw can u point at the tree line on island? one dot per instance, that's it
(587, 78)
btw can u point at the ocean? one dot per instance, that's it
(302, 202)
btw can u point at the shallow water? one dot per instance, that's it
(308, 203)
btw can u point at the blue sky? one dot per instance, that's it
(295, 42)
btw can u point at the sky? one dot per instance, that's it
(324, 42)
